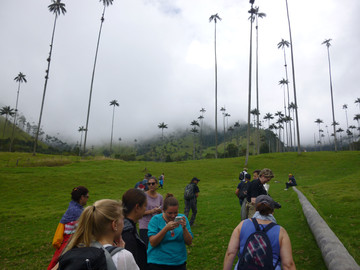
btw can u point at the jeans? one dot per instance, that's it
(191, 204)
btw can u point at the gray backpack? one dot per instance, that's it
(189, 192)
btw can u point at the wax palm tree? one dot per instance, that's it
(340, 130)
(7, 111)
(194, 131)
(293, 81)
(319, 122)
(56, 8)
(113, 103)
(257, 15)
(255, 113)
(328, 44)
(284, 82)
(272, 127)
(20, 78)
(345, 106)
(292, 108)
(162, 126)
(106, 3)
(223, 110)
(201, 118)
(282, 45)
(357, 119)
(215, 18)
(279, 121)
(81, 130)
(237, 127)
(268, 117)
(252, 12)
(357, 102)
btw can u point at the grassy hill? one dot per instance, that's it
(35, 193)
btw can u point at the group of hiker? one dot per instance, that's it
(258, 241)
(106, 233)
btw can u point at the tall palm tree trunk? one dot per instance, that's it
(332, 100)
(216, 130)
(45, 85)
(80, 142)
(288, 99)
(294, 84)
(13, 128)
(249, 95)
(257, 91)
(112, 129)
(92, 80)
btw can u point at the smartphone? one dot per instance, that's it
(178, 218)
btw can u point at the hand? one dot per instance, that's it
(183, 222)
(120, 242)
(157, 210)
(171, 225)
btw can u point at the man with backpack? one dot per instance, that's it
(190, 198)
(241, 192)
(259, 242)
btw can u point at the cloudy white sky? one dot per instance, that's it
(156, 57)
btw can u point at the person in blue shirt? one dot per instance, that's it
(168, 237)
(291, 182)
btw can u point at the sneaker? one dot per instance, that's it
(285, 189)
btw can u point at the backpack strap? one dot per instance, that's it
(113, 250)
(266, 229)
(108, 254)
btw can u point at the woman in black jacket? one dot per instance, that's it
(134, 203)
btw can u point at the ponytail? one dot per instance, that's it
(94, 222)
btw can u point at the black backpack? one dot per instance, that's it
(89, 258)
(257, 252)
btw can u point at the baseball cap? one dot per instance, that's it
(266, 199)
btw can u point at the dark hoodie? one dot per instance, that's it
(134, 244)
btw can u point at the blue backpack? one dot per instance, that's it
(257, 252)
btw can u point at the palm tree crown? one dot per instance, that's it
(57, 7)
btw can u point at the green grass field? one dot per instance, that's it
(36, 192)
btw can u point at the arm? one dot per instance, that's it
(237, 192)
(233, 248)
(287, 261)
(187, 235)
(157, 238)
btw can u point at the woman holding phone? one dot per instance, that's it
(169, 233)
(154, 206)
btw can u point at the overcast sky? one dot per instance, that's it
(156, 57)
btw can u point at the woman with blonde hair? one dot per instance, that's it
(102, 223)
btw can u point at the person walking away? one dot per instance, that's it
(100, 225)
(154, 206)
(291, 182)
(169, 233)
(277, 255)
(67, 225)
(257, 188)
(134, 203)
(191, 194)
(241, 193)
(161, 180)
